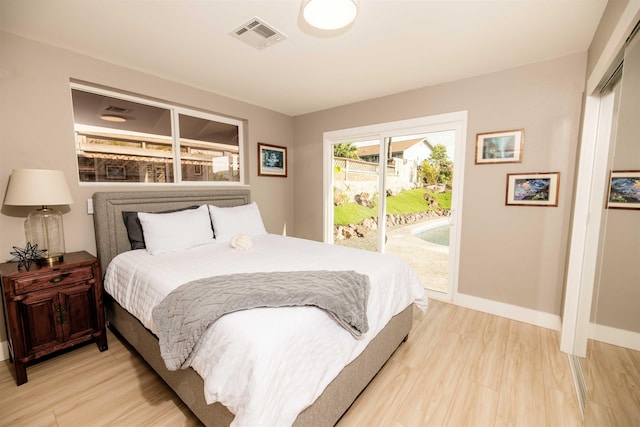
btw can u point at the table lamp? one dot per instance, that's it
(41, 187)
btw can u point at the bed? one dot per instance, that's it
(112, 239)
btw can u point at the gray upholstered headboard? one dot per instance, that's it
(111, 233)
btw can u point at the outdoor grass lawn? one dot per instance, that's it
(405, 202)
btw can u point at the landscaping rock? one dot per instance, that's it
(431, 201)
(364, 199)
(369, 225)
(437, 188)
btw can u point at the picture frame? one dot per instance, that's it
(624, 190)
(533, 189)
(116, 172)
(499, 147)
(197, 170)
(272, 160)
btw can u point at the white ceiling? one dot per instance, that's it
(393, 46)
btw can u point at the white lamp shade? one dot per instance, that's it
(330, 14)
(37, 187)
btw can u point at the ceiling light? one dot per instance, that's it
(113, 118)
(330, 14)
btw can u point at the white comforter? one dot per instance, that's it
(267, 365)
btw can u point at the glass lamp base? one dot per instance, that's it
(44, 228)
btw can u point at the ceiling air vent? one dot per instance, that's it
(120, 110)
(258, 34)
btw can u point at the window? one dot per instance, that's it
(125, 139)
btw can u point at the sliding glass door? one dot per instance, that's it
(391, 189)
(418, 222)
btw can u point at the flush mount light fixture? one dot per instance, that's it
(113, 118)
(330, 14)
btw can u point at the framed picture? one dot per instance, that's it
(624, 190)
(499, 147)
(272, 160)
(197, 170)
(116, 172)
(533, 189)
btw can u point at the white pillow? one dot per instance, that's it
(164, 232)
(229, 222)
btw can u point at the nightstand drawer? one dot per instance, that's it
(55, 278)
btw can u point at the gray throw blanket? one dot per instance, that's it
(184, 315)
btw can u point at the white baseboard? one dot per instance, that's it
(614, 336)
(4, 350)
(513, 312)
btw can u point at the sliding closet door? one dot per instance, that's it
(613, 361)
(602, 326)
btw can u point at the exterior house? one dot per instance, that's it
(415, 150)
(357, 176)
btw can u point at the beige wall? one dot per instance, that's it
(36, 131)
(514, 255)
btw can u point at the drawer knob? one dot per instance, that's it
(58, 278)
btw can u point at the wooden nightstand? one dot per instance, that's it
(50, 308)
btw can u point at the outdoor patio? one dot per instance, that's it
(428, 260)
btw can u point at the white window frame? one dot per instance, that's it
(175, 111)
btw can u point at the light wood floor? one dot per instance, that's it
(459, 367)
(612, 376)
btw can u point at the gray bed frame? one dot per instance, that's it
(111, 240)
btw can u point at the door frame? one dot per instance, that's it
(587, 216)
(449, 121)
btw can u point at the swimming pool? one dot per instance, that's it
(436, 232)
